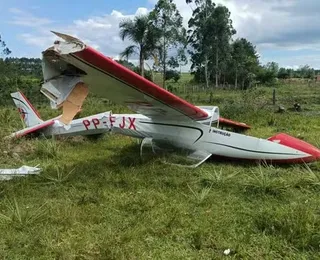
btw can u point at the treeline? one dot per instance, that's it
(216, 57)
(303, 72)
(24, 74)
(25, 66)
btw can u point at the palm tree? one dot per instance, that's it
(140, 32)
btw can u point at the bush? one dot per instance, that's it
(172, 74)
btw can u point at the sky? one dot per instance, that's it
(284, 31)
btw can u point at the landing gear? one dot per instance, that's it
(171, 153)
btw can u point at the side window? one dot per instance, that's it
(214, 124)
(215, 118)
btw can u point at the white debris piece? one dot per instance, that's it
(227, 251)
(7, 174)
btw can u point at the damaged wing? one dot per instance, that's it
(71, 66)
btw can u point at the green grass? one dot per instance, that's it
(181, 85)
(98, 200)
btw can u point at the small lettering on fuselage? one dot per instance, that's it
(220, 132)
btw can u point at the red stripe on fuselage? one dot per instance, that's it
(34, 128)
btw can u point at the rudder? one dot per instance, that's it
(28, 113)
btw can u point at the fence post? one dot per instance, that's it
(274, 97)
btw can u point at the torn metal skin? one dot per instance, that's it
(63, 85)
(72, 105)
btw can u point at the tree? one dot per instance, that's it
(172, 74)
(244, 61)
(167, 23)
(4, 51)
(283, 73)
(223, 30)
(136, 69)
(182, 58)
(3, 48)
(268, 73)
(138, 31)
(210, 33)
(306, 72)
(198, 38)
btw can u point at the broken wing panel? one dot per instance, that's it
(111, 80)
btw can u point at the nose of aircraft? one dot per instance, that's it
(297, 144)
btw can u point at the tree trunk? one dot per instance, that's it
(206, 71)
(206, 55)
(236, 80)
(164, 63)
(141, 61)
(217, 65)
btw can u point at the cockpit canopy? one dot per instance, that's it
(213, 118)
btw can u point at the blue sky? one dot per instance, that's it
(287, 32)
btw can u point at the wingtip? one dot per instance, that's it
(66, 37)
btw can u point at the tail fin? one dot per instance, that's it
(27, 112)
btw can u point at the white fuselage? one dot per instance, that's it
(95, 124)
(197, 136)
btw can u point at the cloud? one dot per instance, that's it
(313, 60)
(42, 41)
(279, 24)
(273, 24)
(24, 18)
(100, 32)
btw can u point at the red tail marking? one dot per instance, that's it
(131, 123)
(22, 113)
(31, 106)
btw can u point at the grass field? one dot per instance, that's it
(98, 200)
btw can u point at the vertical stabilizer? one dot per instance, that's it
(28, 113)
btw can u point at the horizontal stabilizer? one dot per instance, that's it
(31, 130)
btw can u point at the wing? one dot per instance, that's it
(224, 122)
(107, 78)
(37, 129)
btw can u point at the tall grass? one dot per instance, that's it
(20, 216)
(98, 200)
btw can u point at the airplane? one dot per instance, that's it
(163, 120)
(35, 126)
